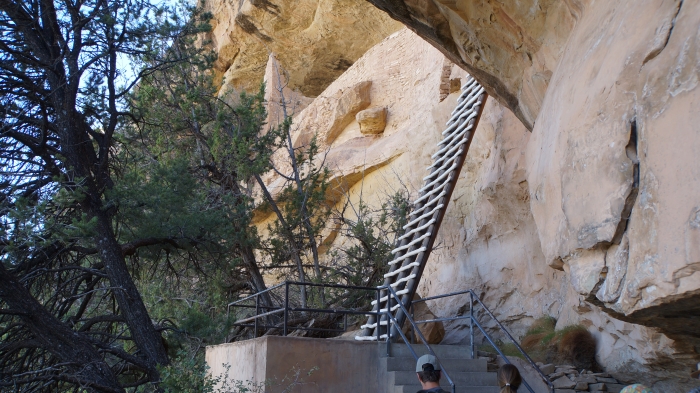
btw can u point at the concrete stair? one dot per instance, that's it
(469, 375)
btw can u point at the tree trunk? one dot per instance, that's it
(147, 339)
(69, 346)
(256, 277)
(83, 163)
(296, 253)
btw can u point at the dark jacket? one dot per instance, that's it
(433, 390)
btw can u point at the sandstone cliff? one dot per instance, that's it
(315, 40)
(580, 198)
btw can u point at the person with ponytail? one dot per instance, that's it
(509, 378)
(428, 372)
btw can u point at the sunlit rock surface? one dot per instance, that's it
(511, 47)
(580, 196)
(315, 40)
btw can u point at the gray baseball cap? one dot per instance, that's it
(427, 359)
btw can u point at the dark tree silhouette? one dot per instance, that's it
(70, 312)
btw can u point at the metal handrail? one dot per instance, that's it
(389, 316)
(408, 318)
(255, 295)
(285, 309)
(474, 321)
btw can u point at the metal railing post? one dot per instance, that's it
(378, 316)
(286, 308)
(471, 322)
(388, 323)
(257, 311)
(412, 337)
(400, 305)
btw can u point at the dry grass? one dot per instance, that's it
(578, 347)
(533, 341)
(570, 345)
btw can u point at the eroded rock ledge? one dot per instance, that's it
(605, 188)
(511, 47)
(314, 40)
(610, 92)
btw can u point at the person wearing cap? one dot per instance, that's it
(428, 372)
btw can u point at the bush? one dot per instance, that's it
(573, 344)
(577, 346)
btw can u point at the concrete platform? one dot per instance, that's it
(338, 366)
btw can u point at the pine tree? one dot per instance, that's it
(70, 310)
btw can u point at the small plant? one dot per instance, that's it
(540, 333)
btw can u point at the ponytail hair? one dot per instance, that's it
(509, 378)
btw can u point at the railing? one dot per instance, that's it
(276, 316)
(393, 296)
(474, 321)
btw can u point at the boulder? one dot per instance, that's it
(563, 383)
(547, 369)
(433, 332)
(597, 387)
(351, 101)
(372, 121)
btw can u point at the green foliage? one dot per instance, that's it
(543, 324)
(304, 206)
(508, 349)
(187, 374)
(172, 167)
(374, 232)
(76, 196)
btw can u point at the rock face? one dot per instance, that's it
(370, 164)
(315, 40)
(433, 332)
(611, 167)
(580, 196)
(511, 47)
(620, 154)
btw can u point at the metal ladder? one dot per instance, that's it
(414, 246)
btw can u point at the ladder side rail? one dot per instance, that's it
(413, 248)
(440, 214)
(452, 174)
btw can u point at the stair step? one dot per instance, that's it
(452, 365)
(442, 351)
(458, 389)
(459, 378)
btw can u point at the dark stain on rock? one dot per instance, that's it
(341, 64)
(631, 150)
(266, 5)
(244, 22)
